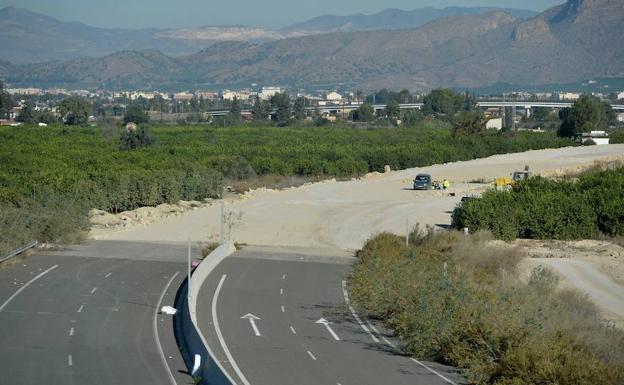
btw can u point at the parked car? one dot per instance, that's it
(422, 182)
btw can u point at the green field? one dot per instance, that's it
(75, 168)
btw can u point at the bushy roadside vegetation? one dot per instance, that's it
(39, 165)
(539, 208)
(475, 315)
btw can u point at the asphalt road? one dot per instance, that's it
(288, 294)
(89, 315)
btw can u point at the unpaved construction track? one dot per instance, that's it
(342, 215)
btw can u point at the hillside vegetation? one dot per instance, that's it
(539, 208)
(456, 299)
(50, 177)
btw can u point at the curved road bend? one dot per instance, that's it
(87, 315)
(285, 295)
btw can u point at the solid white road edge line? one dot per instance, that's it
(155, 330)
(311, 355)
(357, 318)
(374, 329)
(215, 322)
(344, 289)
(433, 371)
(8, 301)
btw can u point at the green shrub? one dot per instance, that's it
(539, 208)
(477, 316)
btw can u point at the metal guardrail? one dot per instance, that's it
(16, 252)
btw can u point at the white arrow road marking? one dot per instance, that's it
(325, 322)
(252, 320)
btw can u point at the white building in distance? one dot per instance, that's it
(496, 123)
(268, 92)
(333, 96)
(569, 96)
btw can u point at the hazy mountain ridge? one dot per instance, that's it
(573, 41)
(29, 37)
(395, 19)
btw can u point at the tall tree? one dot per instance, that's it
(365, 113)
(586, 114)
(299, 108)
(260, 109)
(75, 110)
(393, 110)
(135, 114)
(283, 108)
(6, 102)
(27, 114)
(444, 101)
(468, 123)
(404, 97)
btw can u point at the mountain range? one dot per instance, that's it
(576, 40)
(29, 37)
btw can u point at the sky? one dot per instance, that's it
(265, 13)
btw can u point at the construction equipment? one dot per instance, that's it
(506, 182)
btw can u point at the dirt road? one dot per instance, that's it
(586, 276)
(342, 215)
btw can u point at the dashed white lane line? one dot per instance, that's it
(282, 291)
(292, 329)
(311, 355)
(80, 309)
(215, 322)
(283, 310)
(93, 290)
(8, 301)
(108, 275)
(70, 360)
(283, 277)
(172, 380)
(357, 318)
(71, 332)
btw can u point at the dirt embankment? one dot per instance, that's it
(594, 267)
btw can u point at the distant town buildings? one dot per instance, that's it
(267, 92)
(569, 96)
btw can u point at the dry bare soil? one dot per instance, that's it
(342, 215)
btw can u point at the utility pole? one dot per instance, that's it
(407, 234)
